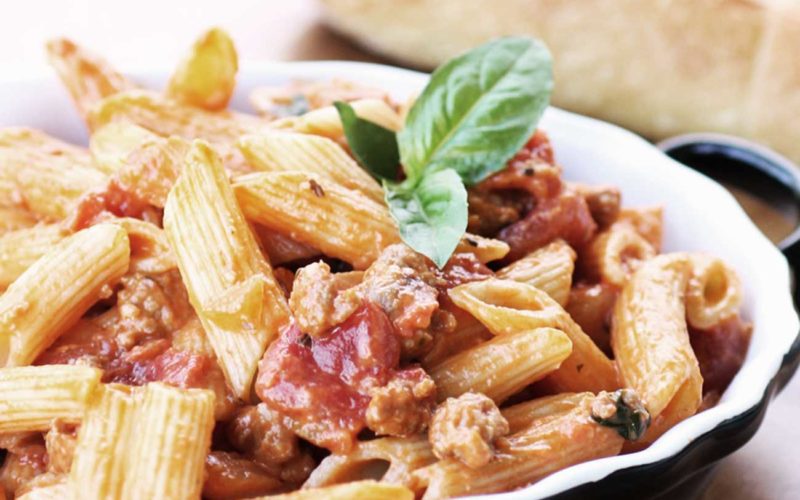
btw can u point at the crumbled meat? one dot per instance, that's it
(316, 299)
(403, 407)
(60, 442)
(41, 481)
(263, 435)
(404, 284)
(465, 428)
(150, 306)
(231, 476)
(21, 465)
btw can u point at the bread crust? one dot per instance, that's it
(658, 67)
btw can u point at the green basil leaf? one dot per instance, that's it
(431, 213)
(375, 147)
(478, 110)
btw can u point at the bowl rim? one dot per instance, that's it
(679, 437)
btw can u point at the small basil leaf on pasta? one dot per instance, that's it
(431, 213)
(373, 146)
(478, 110)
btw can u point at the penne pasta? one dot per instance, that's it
(650, 338)
(522, 415)
(146, 442)
(105, 439)
(55, 491)
(506, 307)
(44, 175)
(277, 152)
(549, 269)
(469, 332)
(325, 121)
(207, 76)
(359, 490)
(713, 294)
(403, 456)
(613, 255)
(340, 222)
(547, 445)
(53, 293)
(112, 144)
(150, 250)
(13, 218)
(32, 397)
(591, 307)
(87, 77)
(21, 248)
(647, 221)
(230, 283)
(502, 366)
(172, 430)
(485, 249)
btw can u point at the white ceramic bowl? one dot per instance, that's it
(699, 215)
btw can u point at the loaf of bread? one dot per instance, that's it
(658, 67)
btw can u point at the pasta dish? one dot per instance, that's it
(341, 296)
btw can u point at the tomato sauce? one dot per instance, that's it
(322, 384)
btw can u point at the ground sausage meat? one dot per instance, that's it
(260, 433)
(403, 407)
(466, 428)
(316, 299)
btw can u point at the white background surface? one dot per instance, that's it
(143, 32)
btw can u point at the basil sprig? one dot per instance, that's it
(476, 112)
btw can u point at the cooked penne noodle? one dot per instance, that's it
(613, 255)
(548, 445)
(280, 151)
(21, 248)
(469, 332)
(112, 144)
(172, 436)
(87, 77)
(150, 250)
(167, 117)
(650, 338)
(485, 249)
(685, 403)
(522, 415)
(230, 283)
(105, 439)
(55, 491)
(32, 397)
(591, 306)
(504, 365)
(207, 76)
(45, 175)
(506, 307)
(404, 456)
(340, 222)
(647, 221)
(14, 218)
(714, 292)
(358, 490)
(53, 293)
(325, 121)
(549, 269)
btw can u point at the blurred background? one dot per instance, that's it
(658, 67)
